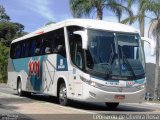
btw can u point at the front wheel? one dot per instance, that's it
(112, 106)
(63, 100)
(19, 88)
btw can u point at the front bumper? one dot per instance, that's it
(93, 94)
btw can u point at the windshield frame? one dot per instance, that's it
(110, 76)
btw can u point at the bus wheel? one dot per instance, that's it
(63, 95)
(27, 94)
(19, 88)
(112, 106)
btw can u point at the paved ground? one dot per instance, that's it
(45, 107)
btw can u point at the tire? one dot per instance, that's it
(62, 95)
(26, 93)
(112, 106)
(19, 88)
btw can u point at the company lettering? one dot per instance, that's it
(34, 67)
(130, 82)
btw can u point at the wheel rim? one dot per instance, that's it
(63, 94)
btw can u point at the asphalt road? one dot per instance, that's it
(46, 107)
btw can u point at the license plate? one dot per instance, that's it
(119, 97)
(112, 83)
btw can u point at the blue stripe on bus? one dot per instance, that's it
(35, 80)
(23, 64)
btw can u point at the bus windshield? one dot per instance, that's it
(115, 54)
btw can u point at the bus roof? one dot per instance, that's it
(86, 23)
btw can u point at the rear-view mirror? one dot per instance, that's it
(84, 36)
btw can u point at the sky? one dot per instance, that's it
(34, 14)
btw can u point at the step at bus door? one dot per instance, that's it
(77, 82)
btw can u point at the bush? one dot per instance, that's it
(4, 52)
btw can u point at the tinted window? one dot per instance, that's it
(47, 49)
(27, 48)
(75, 42)
(40, 45)
(32, 48)
(48, 44)
(18, 50)
(13, 51)
(53, 41)
(23, 48)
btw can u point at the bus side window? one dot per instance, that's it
(49, 44)
(18, 50)
(32, 50)
(23, 46)
(26, 49)
(60, 41)
(78, 52)
(38, 45)
(75, 43)
(46, 46)
(13, 51)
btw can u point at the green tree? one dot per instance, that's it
(82, 8)
(140, 16)
(4, 51)
(148, 6)
(19, 30)
(10, 31)
(3, 15)
(154, 30)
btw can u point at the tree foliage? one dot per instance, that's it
(153, 8)
(140, 15)
(154, 30)
(82, 8)
(4, 52)
(8, 31)
(3, 15)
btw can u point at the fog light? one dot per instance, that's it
(92, 94)
(140, 87)
(92, 83)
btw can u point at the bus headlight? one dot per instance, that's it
(140, 87)
(95, 84)
(89, 82)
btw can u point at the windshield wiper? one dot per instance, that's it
(125, 60)
(108, 69)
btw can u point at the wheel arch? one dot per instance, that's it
(22, 75)
(60, 80)
(19, 78)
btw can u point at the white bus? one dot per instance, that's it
(80, 59)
